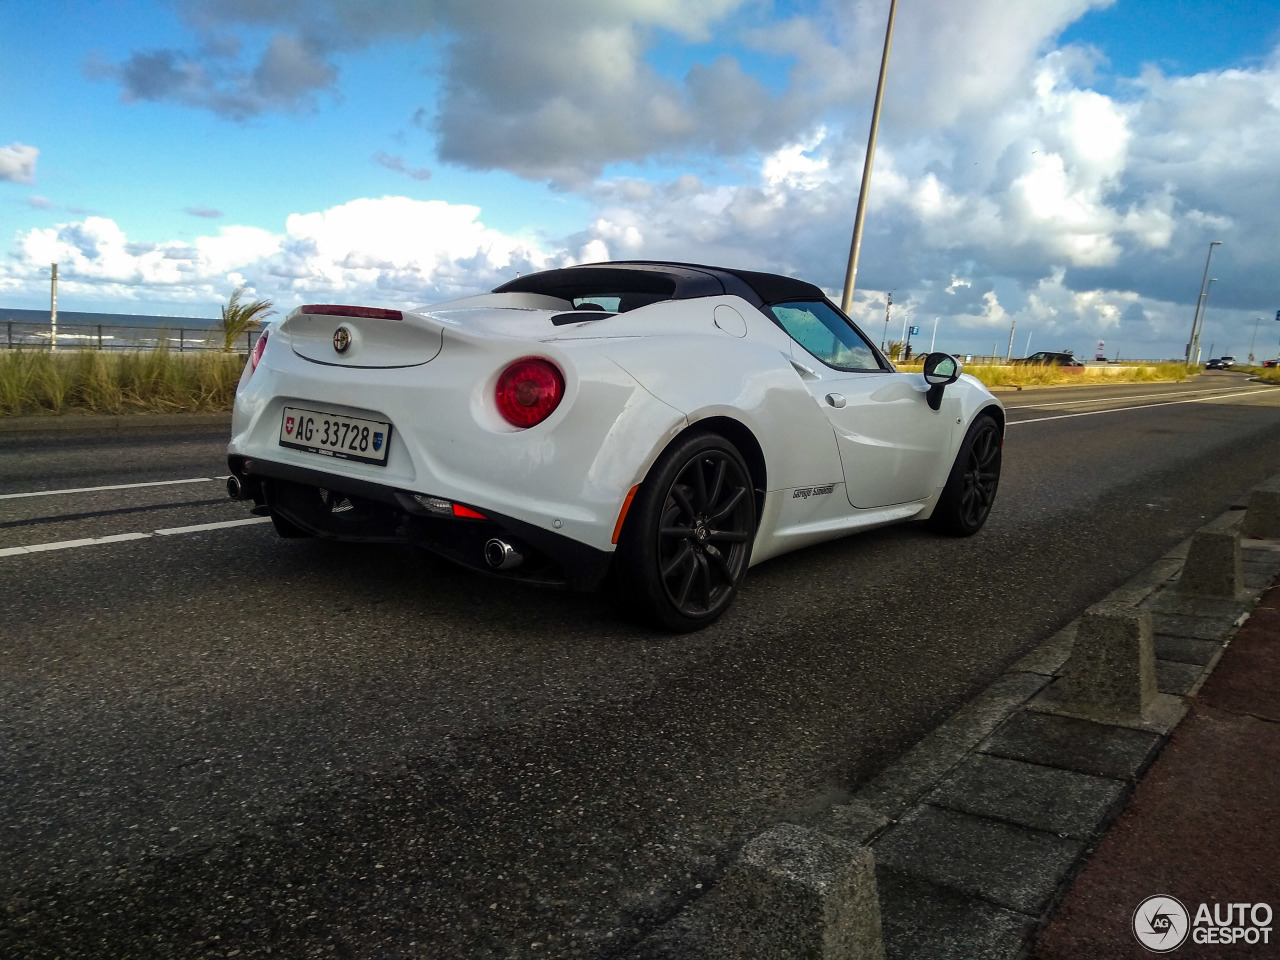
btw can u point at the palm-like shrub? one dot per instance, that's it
(238, 317)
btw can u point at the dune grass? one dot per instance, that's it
(1269, 374)
(87, 381)
(1037, 373)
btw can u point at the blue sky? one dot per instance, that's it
(1060, 165)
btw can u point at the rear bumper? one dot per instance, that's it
(349, 509)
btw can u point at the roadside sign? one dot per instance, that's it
(916, 330)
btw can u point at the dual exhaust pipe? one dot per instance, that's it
(498, 554)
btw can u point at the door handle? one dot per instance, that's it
(835, 400)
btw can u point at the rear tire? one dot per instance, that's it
(971, 487)
(687, 540)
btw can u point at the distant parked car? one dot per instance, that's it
(1228, 361)
(1271, 363)
(1215, 364)
(1055, 359)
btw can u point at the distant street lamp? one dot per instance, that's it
(1254, 340)
(1195, 321)
(855, 246)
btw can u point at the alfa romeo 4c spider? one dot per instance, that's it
(654, 427)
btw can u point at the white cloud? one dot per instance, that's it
(389, 250)
(18, 163)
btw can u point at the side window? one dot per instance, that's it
(825, 334)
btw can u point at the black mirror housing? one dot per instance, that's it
(940, 369)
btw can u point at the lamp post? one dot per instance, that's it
(855, 246)
(1254, 340)
(1204, 308)
(1195, 321)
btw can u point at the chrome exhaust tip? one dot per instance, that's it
(235, 489)
(501, 555)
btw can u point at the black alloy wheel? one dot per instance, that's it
(971, 487)
(688, 539)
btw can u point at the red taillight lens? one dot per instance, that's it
(257, 351)
(529, 391)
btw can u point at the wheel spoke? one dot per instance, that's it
(700, 484)
(718, 561)
(727, 536)
(683, 597)
(681, 556)
(680, 533)
(704, 569)
(682, 501)
(717, 484)
(729, 505)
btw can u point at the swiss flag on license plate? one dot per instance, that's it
(288, 425)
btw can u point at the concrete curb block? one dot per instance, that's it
(106, 423)
(1262, 519)
(796, 892)
(1213, 564)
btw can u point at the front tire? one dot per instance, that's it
(971, 487)
(687, 540)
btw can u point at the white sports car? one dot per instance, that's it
(660, 425)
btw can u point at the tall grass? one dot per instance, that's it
(1022, 375)
(41, 382)
(1270, 374)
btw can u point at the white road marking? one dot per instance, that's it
(1145, 406)
(197, 528)
(121, 537)
(1145, 396)
(114, 486)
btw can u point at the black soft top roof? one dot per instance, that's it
(674, 281)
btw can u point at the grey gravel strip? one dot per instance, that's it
(107, 423)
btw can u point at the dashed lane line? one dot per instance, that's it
(114, 486)
(1143, 396)
(122, 537)
(1144, 406)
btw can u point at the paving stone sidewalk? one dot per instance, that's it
(1201, 825)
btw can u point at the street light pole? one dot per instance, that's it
(1253, 341)
(1195, 321)
(855, 246)
(1204, 309)
(884, 340)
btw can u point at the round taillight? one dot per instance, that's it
(258, 347)
(529, 391)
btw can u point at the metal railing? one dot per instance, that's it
(16, 334)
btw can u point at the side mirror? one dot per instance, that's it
(940, 369)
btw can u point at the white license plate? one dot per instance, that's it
(332, 435)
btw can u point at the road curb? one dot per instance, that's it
(109, 423)
(978, 829)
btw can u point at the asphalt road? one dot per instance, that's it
(219, 743)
